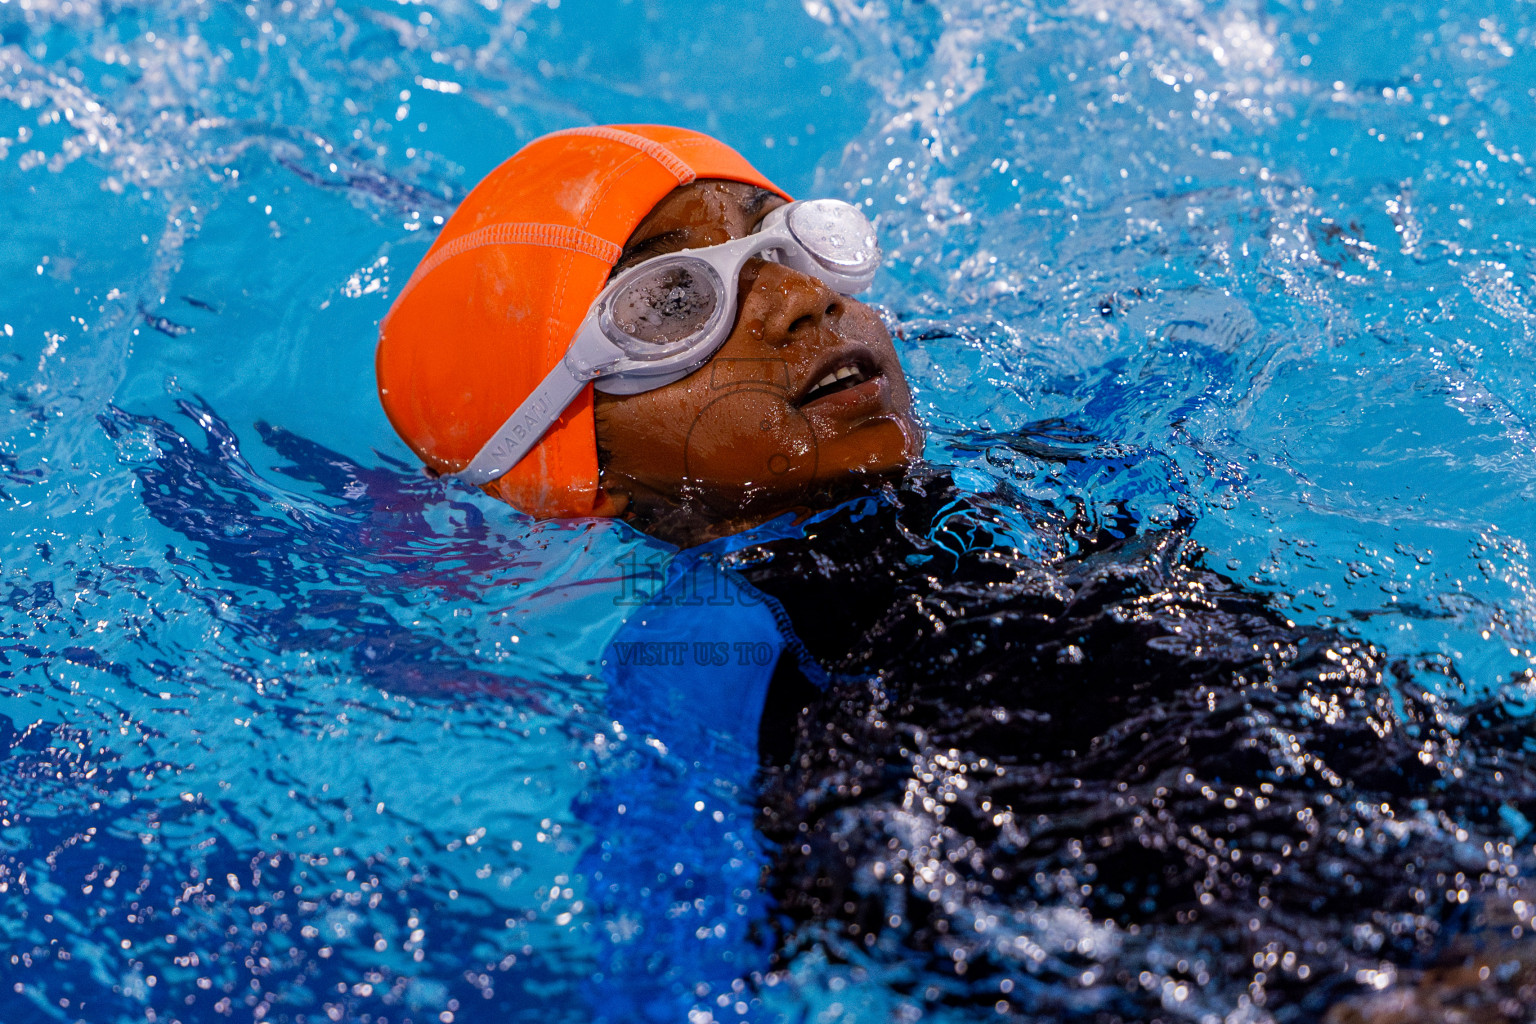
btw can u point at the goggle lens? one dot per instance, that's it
(664, 305)
(837, 234)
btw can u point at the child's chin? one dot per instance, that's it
(876, 449)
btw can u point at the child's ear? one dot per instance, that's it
(611, 505)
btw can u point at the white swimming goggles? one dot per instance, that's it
(658, 322)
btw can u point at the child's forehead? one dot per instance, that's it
(704, 212)
(708, 200)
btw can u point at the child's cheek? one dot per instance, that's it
(752, 329)
(747, 444)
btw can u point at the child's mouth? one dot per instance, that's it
(847, 373)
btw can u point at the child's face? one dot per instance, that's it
(757, 430)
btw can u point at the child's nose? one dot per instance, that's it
(791, 306)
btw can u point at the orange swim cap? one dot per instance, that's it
(497, 299)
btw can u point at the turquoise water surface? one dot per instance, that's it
(290, 732)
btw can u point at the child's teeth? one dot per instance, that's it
(831, 378)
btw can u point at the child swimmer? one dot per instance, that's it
(562, 346)
(711, 415)
(1054, 767)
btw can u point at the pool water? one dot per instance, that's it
(290, 732)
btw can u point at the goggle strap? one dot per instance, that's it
(522, 430)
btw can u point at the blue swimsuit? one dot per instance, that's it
(676, 865)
